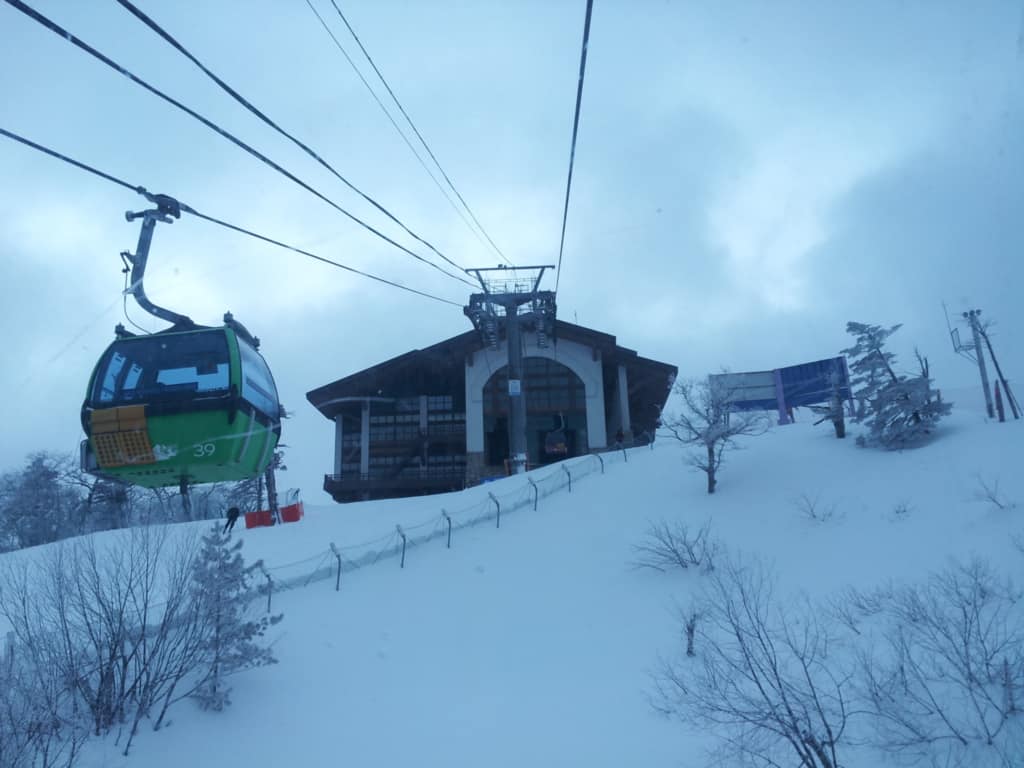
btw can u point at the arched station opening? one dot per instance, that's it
(556, 413)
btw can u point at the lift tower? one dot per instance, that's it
(512, 302)
(979, 333)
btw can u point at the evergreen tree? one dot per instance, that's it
(870, 365)
(904, 413)
(221, 586)
(899, 411)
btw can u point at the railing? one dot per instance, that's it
(333, 561)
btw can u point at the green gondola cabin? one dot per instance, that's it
(183, 406)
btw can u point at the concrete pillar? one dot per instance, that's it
(475, 380)
(593, 382)
(623, 392)
(780, 397)
(339, 445)
(474, 468)
(364, 441)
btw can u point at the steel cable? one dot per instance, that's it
(63, 33)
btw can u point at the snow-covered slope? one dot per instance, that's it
(533, 643)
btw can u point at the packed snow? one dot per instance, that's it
(534, 643)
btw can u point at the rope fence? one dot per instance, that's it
(334, 561)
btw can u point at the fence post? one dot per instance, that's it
(337, 554)
(498, 505)
(569, 475)
(402, 534)
(625, 455)
(448, 519)
(599, 458)
(270, 583)
(536, 493)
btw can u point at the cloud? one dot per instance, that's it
(770, 218)
(940, 225)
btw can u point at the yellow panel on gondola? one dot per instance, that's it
(120, 436)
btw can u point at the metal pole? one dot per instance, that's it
(536, 494)
(449, 520)
(972, 318)
(516, 395)
(167, 208)
(337, 554)
(270, 583)
(498, 505)
(598, 457)
(275, 511)
(402, 534)
(569, 475)
(999, 372)
(186, 498)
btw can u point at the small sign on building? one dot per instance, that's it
(515, 387)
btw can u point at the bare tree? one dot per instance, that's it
(813, 509)
(709, 421)
(690, 620)
(41, 723)
(668, 546)
(988, 492)
(762, 678)
(943, 677)
(38, 722)
(117, 629)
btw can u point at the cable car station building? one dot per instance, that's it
(437, 419)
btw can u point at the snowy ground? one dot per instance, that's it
(532, 644)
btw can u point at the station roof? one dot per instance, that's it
(444, 363)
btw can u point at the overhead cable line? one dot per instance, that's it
(325, 260)
(411, 125)
(61, 32)
(135, 11)
(189, 209)
(389, 116)
(71, 161)
(575, 129)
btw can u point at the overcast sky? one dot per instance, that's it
(749, 176)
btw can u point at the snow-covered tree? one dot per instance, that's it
(709, 422)
(221, 584)
(904, 413)
(36, 505)
(898, 410)
(871, 366)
